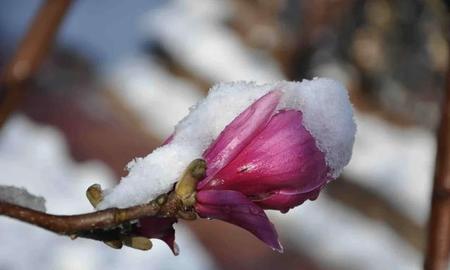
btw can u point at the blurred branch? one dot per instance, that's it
(375, 206)
(29, 55)
(438, 246)
(173, 66)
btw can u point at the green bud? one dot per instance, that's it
(186, 186)
(115, 244)
(138, 242)
(94, 194)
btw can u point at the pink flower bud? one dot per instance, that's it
(282, 160)
(264, 159)
(270, 146)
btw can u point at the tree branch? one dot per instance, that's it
(74, 224)
(438, 246)
(29, 55)
(105, 225)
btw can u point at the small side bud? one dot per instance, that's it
(186, 186)
(115, 244)
(138, 242)
(162, 199)
(197, 168)
(94, 194)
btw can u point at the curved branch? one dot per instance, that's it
(75, 224)
(108, 225)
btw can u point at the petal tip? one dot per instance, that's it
(175, 249)
(278, 248)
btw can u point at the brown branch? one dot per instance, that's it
(101, 225)
(29, 55)
(69, 225)
(438, 246)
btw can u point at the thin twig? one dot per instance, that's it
(101, 225)
(69, 225)
(438, 246)
(98, 225)
(29, 55)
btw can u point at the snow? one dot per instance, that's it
(327, 115)
(210, 49)
(21, 197)
(147, 88)
(36, 157)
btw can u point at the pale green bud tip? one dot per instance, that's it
(138, 242)
(94, 194)
(186, 186)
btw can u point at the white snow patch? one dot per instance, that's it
(21, 197)
(211, 50)
(147, 88)
(327, 115)
(37, 158)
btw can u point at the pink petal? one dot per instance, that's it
(235, 208)
(240, 132)
(283, 156)
(161, 228)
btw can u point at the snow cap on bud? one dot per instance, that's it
(265, 158)
(269, 146)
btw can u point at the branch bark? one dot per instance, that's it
(438, 246)
(29, 55)
(74, 224)
(101, 225)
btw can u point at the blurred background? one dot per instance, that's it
(121, 74)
